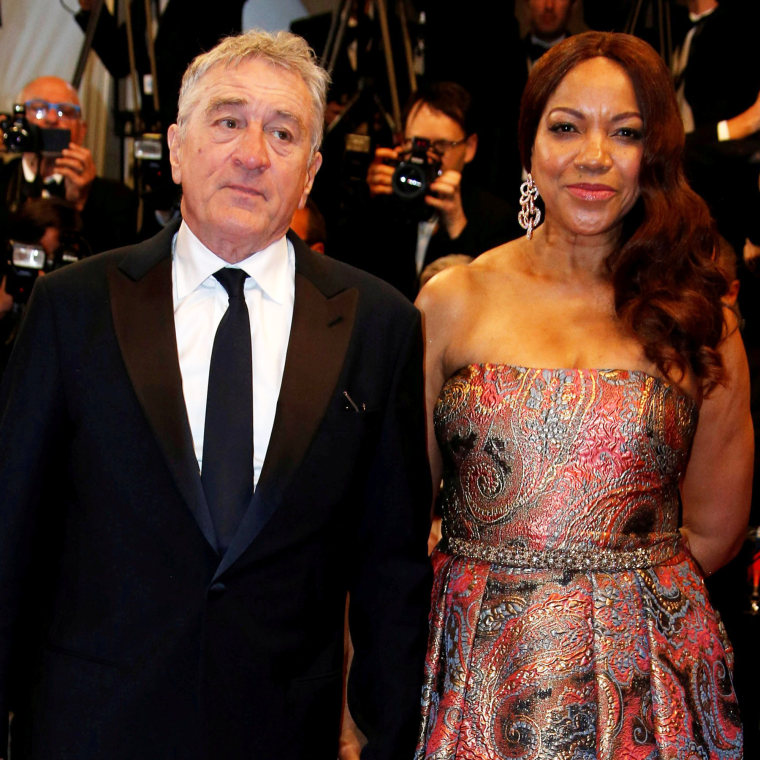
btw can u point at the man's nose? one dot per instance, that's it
(252, 150)
(51, 116)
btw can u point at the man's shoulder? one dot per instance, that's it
(134, 260)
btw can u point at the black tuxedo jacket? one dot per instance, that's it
(722, 78)
(123, 634)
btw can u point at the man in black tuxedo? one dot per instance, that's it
(548, 20)
(149, 606)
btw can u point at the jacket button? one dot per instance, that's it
(217, 589)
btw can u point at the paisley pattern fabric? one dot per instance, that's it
(558, 659)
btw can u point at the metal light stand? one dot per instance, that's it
(366, 89)
(665, 32)
(84, 53)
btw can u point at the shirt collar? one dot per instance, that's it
(272, 269)
(30, 176)
(547, 44)
(694, 17)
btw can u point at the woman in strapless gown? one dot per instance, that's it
(589, 424)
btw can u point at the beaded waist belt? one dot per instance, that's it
(580, 558)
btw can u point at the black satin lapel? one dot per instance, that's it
(319, 338)
(144, 324)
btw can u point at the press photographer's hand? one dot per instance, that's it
(380, 171)
(447, 199)
(78, 171)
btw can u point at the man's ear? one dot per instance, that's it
(172, 137)
(311, 173)
(471, 148)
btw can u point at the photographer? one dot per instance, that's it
(108, 208)
(406, 229)
(45, 234)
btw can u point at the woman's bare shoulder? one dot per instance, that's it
(460, 289)
(502, 258)
(447, 289)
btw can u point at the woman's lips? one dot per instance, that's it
(591, 192)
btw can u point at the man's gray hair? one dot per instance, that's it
(283, 49)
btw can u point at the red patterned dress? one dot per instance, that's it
(568, 620)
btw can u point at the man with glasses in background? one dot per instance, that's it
(401, 235)
(108, 208)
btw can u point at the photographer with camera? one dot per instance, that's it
(43, 235)
(421, 205)
(48, 128)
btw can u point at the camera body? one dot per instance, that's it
(21, 136)
(24, 265)
(25, 261)
(416, 171)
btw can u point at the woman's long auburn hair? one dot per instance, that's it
(667, 287)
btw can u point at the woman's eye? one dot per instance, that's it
(629, 132)
(562, 127)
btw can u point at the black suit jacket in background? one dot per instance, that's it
(123, 633)
(722, 80)
(386, 230)
(109, 218)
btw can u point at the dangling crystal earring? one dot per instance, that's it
(529, 217)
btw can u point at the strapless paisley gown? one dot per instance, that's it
(568, 621)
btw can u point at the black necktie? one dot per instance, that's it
(227, 467)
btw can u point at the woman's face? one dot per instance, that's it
(588, 148)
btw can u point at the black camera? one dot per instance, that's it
(21, 136)
(51, 222)
(27, 260)
(416, 171)
(24, 264)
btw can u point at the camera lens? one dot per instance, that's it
(18, 140)
(410, 181)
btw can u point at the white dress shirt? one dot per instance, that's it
(199, 304)
(30, 175)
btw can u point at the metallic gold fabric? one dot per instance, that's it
(610, 652)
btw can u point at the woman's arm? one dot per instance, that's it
(718, 483)
(439, 302)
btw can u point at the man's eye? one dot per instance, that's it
(228, 123)
(282, 134)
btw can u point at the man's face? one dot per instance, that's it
(48, 105)
(244, 158)
(435, 126)
(548, 18)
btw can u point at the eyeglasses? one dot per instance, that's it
(439, 146)
(39, 109)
